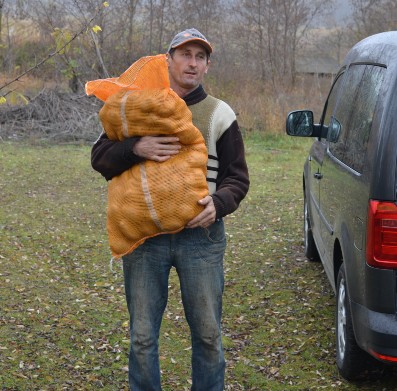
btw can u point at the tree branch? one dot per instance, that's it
(49, 56)
(99, 55)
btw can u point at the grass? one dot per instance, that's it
(63, 319)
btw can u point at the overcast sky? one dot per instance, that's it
(343, 8)
(340, 15)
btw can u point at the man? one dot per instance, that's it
(197, 251)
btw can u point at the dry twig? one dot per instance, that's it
(53, 116)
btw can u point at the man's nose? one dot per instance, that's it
(193, 61)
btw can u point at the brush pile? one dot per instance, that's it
(53, 117)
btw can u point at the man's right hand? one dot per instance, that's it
(158, 149)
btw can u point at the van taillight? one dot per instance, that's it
(382, 235)
(383, 357)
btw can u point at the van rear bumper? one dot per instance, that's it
(375, 331)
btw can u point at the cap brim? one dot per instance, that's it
(201, 42)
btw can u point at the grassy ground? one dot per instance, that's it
(63, 320)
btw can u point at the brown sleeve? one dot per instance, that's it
(233, 180)
(111, 158)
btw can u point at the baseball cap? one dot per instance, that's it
(190, 35)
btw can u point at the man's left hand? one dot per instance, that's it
(206, 217)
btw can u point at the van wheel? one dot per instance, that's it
(351, 360)
(310, 246)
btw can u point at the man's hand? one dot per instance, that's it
(158, 149)
(206, 217)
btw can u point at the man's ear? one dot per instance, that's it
(208, 65)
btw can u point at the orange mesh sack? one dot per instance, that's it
(151, 198)
(149, 72)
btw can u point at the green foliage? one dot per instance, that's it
(68, 52)
(63, 318)
(27, 54)
(62, 40)
(16, 98)
(96, 29)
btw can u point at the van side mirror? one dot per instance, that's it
(300, 123)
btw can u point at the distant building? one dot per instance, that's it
(321, 66)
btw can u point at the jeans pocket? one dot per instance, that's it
(215, 233)
(209, 243)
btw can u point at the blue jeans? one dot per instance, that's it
(197, 255)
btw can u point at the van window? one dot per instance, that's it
(355, 111)
(331, 102)
(362, 115)
(343, 112)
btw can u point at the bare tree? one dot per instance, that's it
(373, 16)
(201, 14)
(48, 17)
(14, 35)
(275, 29)
(1, 18)
(131, 8)
(154, 16)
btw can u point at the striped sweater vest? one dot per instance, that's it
(212, 117)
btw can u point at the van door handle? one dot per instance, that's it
(318, 175)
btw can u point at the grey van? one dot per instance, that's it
(350, 201)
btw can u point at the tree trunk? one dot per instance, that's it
(1, 17)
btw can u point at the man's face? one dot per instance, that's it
(187, 67)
